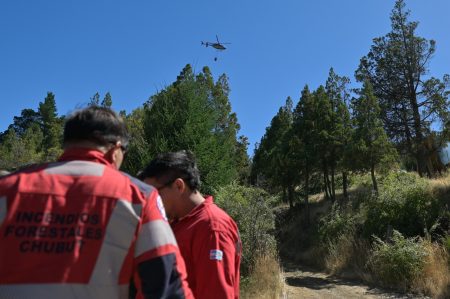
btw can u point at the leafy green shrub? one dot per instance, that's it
(360, 180)
(446, 243)
(250, 208)
(405, 202)
(397, 263)
(335, 224)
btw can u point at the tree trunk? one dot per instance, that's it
(374, 179)
(420, 150)
(344, 185)
(307, 196)
(325, 181)
(291, 196)
(333, 185)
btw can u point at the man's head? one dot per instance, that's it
(100, 128)
(177, 178)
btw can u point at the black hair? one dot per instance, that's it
(96, 124)
(169, 166)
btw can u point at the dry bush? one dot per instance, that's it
(347, 257)
(441, 187)
(265, 280)
(434, 280)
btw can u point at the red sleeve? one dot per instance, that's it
(215, 262)
(161, 270)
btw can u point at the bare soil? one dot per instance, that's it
(306, 283)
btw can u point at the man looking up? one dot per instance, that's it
(79, 228)
(208, 238)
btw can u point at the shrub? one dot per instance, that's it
(434, 280)
(250, 208)
(446, 243)
(265, 280)
(406, 203)
(398, 263)
(335, 224)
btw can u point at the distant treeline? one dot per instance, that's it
(384, 124)
(192, 113)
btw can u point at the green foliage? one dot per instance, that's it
(397, 67)
(107, 100)
(243, 163)
(446, 243)
(273, 163)
(138, 150)
(16, 151)
(405, 202)
(399, 262)
(95, 100)
(250, 208)
(194, 113)
(371, 148)
(335, 224)
(52, 127)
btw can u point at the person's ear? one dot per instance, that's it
(112, 155)
(180, 185)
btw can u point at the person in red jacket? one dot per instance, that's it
(79, 228)
(207, 236)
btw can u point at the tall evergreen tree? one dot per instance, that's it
(107, 100)
(194, 113)
(27, 118)
(396, 66)
(339, 129)
(371, 145)
(305, 133)
(272, 159)
(52, 127)
(242, 160)
(95, 100)
(324, 136)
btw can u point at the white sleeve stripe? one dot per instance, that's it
(76, 168)
(116, 244)
(154, 234)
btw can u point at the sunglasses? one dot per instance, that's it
(123, 147)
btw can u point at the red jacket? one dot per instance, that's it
(78, 228)
(209, 242)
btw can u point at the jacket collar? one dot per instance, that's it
(85, 154)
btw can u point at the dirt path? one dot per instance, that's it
(306, 283)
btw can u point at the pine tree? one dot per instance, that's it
(95, 100)
(194, 113)
(339, 128)
(371, 145)
(396, 66)
(107, 100)
(272, 160)
(304, 130)
(52, 127)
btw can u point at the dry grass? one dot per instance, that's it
(435, 277)
(441, 187)
(347, 258)
(265, 281)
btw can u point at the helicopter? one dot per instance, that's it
(218, 46)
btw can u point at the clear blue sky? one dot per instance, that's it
(134, 48)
